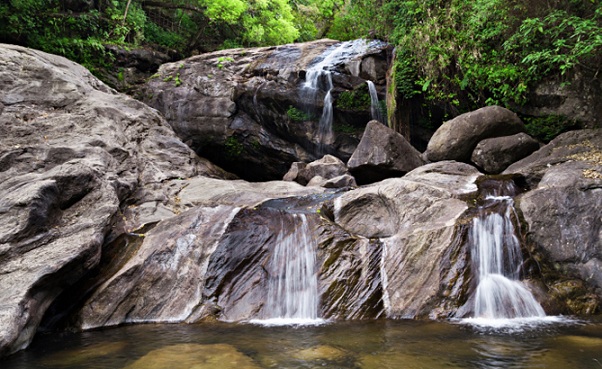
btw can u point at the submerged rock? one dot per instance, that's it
(195, 356)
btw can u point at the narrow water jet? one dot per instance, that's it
(292, 276)
(498, 259)
(375, 110)
(318, 79)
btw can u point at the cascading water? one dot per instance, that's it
(292, 277)
(375, 109)
(498, 259)
(318, 78)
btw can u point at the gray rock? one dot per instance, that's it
(569, 146)
(415, 221)
(232, 106)
(293, 173)
(457, 138)
(563, 212)
(496, 154)
(382, 153)
(320, 171)
(72, 151)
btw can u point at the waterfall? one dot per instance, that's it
(498, 259)
(292, 277)
(375, 109)
(319, 78)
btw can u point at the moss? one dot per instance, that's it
(355, 100)
(297, 115)
(233, 147)
(547, 127)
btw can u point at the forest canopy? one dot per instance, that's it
(467, 53)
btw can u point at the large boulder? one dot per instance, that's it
(457, 138)
(248, 110)
(326, 168)
(382, 153)
(496, 154)
(415, 218)
(563, 210)
(72, 152)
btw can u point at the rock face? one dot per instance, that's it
(496, 154)
(328, 171)
(72, 151)
(414, 218)
(456, 139)
(382, 153)
(564, 209)
(247, 109)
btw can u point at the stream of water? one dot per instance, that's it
(375, 109)
(292, 277)
(496, 252)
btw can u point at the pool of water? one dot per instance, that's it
(363, 345)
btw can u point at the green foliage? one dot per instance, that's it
(233, 147)
(547, 127)
(355, 100)
(223, 60)
(297, 115)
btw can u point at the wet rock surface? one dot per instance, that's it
(246, 110)
(72, 151)
(563, 210)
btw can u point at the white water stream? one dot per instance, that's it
(292, 277)
(318, 79)
(500, 296)
(375, 110)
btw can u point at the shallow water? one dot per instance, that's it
(362, 345)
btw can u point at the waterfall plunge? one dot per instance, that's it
(498, 258)
(375, 110)
(319, 78)
(292, 277)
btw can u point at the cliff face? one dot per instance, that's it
(253, 112)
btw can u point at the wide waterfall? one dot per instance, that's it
(318, 79)
(375, 109)
(497, 256)
(292, 277)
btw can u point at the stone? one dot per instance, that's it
(382, 153)
(234, 106)
(496, 154)
(456, 139)
(72, 151)
(415, 222)
(322, 352)
(327, 168)
(195, 356)
(563, 209)
(293, 173)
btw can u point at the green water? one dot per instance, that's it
(361, 345)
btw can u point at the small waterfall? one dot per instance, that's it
(375, 109)
(498, 259)
(319, 78)
(292, 277)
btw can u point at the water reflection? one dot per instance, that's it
(349, 345)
